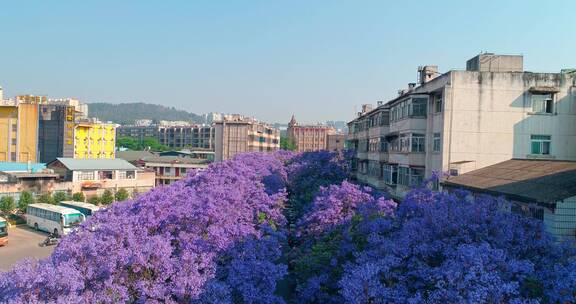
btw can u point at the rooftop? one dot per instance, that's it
(94, 164)
(540, 181)
(176, 160)
(21, 167)
(133, 155)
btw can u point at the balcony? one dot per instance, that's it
(408, 158)
(378, 131)
(409, 124)
(377, 156)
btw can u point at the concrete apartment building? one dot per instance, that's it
(177, 137)
(236, 134)
(313, 137)
(461, 121)
(138, 132)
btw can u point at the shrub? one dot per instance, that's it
(78, 197)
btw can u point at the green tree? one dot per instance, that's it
(7, 205)
(59, 197)
(121, 195)
(46, 199)
(128, 142)
(287, 144)
(78, 197)
(25, 200)
(94, 200)
(153, 144)
(107, 198)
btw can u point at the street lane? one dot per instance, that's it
(22, 243)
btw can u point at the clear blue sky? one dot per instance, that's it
(317, 59)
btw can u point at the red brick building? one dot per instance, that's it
(309, 137)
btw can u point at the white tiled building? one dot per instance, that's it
(460, 121)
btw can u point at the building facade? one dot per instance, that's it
(461, 121)
(236, 134)
(94, 176)
(138, 132)
(169, 169)
(18, 132)
(336, 142)
(180, 137)
(56, 132)
(309, 137)
(176, 137)
(94, 140)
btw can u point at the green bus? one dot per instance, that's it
(86, 208)
(3, 231)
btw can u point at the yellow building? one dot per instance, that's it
(94, 140)
(18, 132)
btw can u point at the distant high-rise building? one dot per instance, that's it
(236, 134)
(79, 107)
(212, 117)
(310, 137)
(31, 99)
(56, 132)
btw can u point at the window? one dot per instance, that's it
(540, 144)
(374, 168)
(167, 170)
(436, 143)
(390, 173)
(416, 177)
(418, 143)
(85, 175)
(410, 177)
(438, 104)
(542, 103)
(419, 107)
(126, 174)
(383, 144)
(405, 142)
(374, 144)
(404, 176)
(106, 175)
(13, 156)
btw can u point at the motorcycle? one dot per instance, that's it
(49, 241)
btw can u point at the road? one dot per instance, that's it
(22, 243)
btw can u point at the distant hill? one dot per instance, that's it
(127, 113)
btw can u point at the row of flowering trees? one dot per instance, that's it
(285, 228)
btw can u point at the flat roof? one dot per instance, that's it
(94, 164)
(82, 205)
(133, 155)
(176, 160)
(23, 167)
(55, 208)
(541, 181)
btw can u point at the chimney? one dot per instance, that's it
(427, 73)
(366, 108)
(411, 86)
